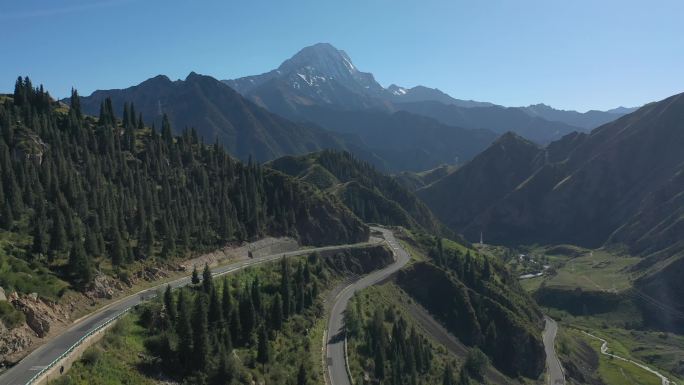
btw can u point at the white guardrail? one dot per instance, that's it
(75, 345)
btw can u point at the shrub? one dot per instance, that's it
(10, 316)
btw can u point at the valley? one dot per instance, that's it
(231, 198)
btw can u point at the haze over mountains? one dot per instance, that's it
(323, 76)
(319, 99)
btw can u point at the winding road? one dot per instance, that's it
(604, 350)
(336, 361)
(24, 372)
(554, 370)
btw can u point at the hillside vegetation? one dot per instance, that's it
(622, 184)
(82, 196)
(261, 325)
(371, 195)
(479, 301)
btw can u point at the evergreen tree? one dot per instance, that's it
(118, 252)
(6, 216)
(79, 265)
(215, 312)
(184, 332)
(226, 300)
(195, 276)
(448, 376)
(263, 351)
(169, 306)
(285, 288)
(200, 337)
(379, 363)
(207, 281)
(276, 313)
(58, 238)
(302, 378)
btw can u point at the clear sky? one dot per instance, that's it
(577, 54)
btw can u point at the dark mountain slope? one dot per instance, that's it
(586, 120)
(488, 178)
(406, 141)
(218, 113)
(617, 184)
(373, 196)
(622, 184)
(495, 118)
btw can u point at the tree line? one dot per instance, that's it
(195, 330)
(94, 192)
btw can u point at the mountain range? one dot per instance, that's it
(318, 99)
(323, 76)
(621, 184)
(218, 113)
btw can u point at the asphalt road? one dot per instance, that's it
(22, 372)
(554, 370)
(335, 349)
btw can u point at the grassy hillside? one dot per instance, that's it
(371, 195)
(479, 302)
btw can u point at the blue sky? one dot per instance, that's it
(578, 54)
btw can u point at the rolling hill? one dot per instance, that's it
(371, 195)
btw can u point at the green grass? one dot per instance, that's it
(9, 316)
(663, 352)
(531, 284)
(616, 372)
(16, 274)
(113, 360)
(384, 297)
(598, 270)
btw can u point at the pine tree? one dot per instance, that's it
(195, 276)
(215, 312)
(207, 282)
(6, 216)
(448, 376)
(256, 294)
(169, 306)
(302, 378)
(58, 238)
(79, 265)
(200, 338)
(285, 288)
(263, 351)
(379, 363)
(184, 331)
(276, 313)
(226, 300)
(39, 237)
(118, 253)
(75, 103)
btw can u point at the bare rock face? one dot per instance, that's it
(40, 314)
(34, 310)
(152, 274)
(12, 342)
(3, 297)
